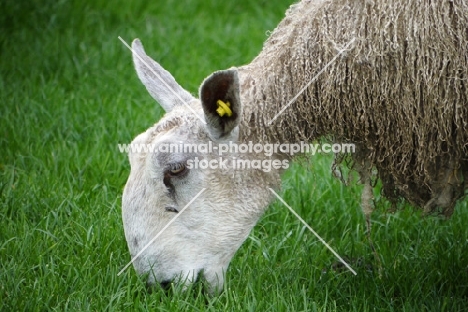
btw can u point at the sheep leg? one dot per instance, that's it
(367, 208)
(366, 205)
(367, 196)
(449, 183)
(367, 199)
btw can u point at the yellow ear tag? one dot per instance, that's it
(224, 108)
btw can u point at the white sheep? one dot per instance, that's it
(399, 92)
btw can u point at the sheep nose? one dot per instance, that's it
(165, 284)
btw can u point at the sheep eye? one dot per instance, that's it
(172, 209)
(177, 169)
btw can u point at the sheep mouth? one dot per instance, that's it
(167, 285)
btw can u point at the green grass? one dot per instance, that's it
(69, 95)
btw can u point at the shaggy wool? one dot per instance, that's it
(399, 91)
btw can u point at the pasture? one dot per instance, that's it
(69, 95)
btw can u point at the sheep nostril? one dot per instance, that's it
(165, 284)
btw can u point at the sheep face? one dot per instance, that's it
(212, 206)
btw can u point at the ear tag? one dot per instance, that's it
(224, 108)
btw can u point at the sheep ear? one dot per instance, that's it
(219, 95)
(158, 81)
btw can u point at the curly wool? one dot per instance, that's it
(399, 92)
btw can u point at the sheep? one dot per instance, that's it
(398, 92)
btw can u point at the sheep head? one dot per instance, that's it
(204, 238)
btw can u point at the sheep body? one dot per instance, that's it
(399, 92)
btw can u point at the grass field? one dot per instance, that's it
(69, 95)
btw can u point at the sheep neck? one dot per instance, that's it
(259, 108)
